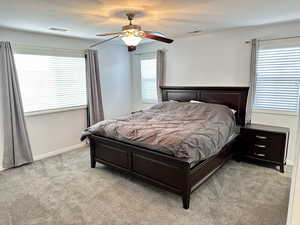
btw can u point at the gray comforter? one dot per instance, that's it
(194, 131)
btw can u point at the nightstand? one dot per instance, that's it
(264, 143)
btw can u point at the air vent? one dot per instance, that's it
(58, 29)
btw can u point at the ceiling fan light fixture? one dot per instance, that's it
(132, 38)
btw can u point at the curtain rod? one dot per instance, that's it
(276, 39)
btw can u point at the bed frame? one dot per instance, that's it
(164, 170)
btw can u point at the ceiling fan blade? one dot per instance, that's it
(114, 33)
(155, 33)
(101, 42)
(157, 38)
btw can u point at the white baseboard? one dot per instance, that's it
(56, 152)
(290, 162)
(59, 151)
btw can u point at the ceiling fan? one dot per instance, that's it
(133, 34)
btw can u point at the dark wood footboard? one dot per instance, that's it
(161, 169)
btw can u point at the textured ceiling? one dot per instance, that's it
(85, 18)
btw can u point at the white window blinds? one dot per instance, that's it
(278, 78)
(148, 79)
(51, 82)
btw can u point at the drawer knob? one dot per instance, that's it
(261, 137)
(260, 146)
(259, 154)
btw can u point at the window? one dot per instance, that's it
(278, 79)
(148, 79)
(51, 82)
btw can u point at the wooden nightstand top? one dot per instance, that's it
(266, 128)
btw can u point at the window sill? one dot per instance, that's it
(265, 111)
(43, 112)
(148, 103)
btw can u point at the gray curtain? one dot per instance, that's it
(160, 73)
(17, 150)
(251, 93)
(95, 109)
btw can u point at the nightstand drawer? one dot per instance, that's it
(258, 151)
(258, 135)
(254, 136)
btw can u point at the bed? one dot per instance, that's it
(179, 175)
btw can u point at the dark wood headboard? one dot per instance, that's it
(233, 97)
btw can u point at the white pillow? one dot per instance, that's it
(194, 101)
(233, 111)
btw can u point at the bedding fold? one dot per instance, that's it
(193, 131)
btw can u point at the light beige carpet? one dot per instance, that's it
(65, 190)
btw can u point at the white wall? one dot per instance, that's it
(295, 219)
(53, 132)
(218, 59)
(50, 133)
(296, 198)
(294, 205)
(114, 63)
(39, 39)
(1, 129)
